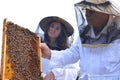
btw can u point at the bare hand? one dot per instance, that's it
(49, 76)
(46, 52)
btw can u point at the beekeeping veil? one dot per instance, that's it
(40, 32)
(111, 7)
(42, 26)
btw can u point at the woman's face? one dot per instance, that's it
(54, 30)
(96, 19)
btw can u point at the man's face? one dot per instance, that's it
(96, 19)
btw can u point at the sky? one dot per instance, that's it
(28, 13)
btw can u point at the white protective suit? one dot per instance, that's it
(69, 72)
(96, 63)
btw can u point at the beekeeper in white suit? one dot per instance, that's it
(98, 46)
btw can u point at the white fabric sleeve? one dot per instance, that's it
(69, 56)
(69, 72)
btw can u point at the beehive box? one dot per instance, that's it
(21, 55)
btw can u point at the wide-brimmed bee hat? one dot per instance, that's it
(104, 6)
(45, 21)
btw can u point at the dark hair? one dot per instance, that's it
(61, 41)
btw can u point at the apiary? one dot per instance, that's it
(21, 55)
